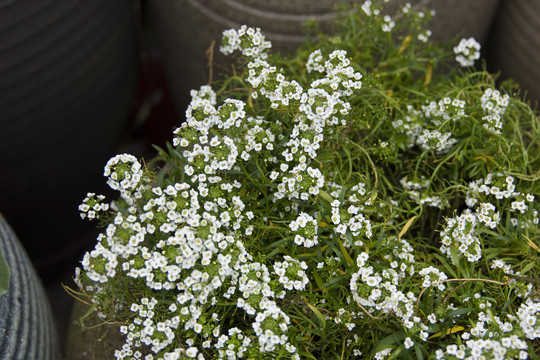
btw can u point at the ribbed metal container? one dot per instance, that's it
(186, 28)
(67, 74)
(27, 330)
(514, 45)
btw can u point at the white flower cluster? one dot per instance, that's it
(92, 206)
(198, 254)
(341, 79)
(250, 41)
(235, 345)
(292, 273)
(424, 36)
(378, 291)
(510, 347)
(529, 318)
(467, 51)
(268, 82)
(520, 205)
(350, 223)
(100, 264)
(494, 105)
(489, 338)
(321, 106)
(421, 198)
(425, 127)
(187, 236)
(433, 277)
(500, 264)
(258, 138)
(435, 140)
(155, 334)
(388, 24)
(416, 184)
(383, 354)
(528, 216)
(300, 182)
(305, 229)
(124, 174)
(501, 186)
(369, 8)
(488, 215)
(444, 110)
(460, 235)
(522, 290)
(270, 327)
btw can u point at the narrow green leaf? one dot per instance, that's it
(447, 331)
(396, 353)
(335, 280)
(455, 258)
(306, 355)
(406, 227)
(419, 353)
(345, 253)
(318, 280)
(527, 268)
(390, 341)
(446, 265)
(317, 313)
(324, 195)
(5, 274)
(459, 312)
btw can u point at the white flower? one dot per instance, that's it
(191, 352)
(248, 40)
(388, 24)
(124, 172)
(529, 318)
(467, 51)
(408, 343)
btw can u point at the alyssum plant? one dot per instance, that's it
(360, 199)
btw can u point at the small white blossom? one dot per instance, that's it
(467, 51)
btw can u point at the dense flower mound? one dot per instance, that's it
(345, 202)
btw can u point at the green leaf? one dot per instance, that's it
(446, 265)
(455, 258)
(305, 354)
(390, 341)
(527, 268)
(458, 312)
(406, 227)
(317, 313)
(318, 280)
(396, 353)
(5, 274)
(324, 195)
(419, 353)
(335, 280)
(448, 331)
(345, 253)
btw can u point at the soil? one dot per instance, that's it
(91, 339)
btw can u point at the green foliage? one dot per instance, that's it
(361, 198)
(5, 274)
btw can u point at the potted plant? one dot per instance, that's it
(361, 198)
